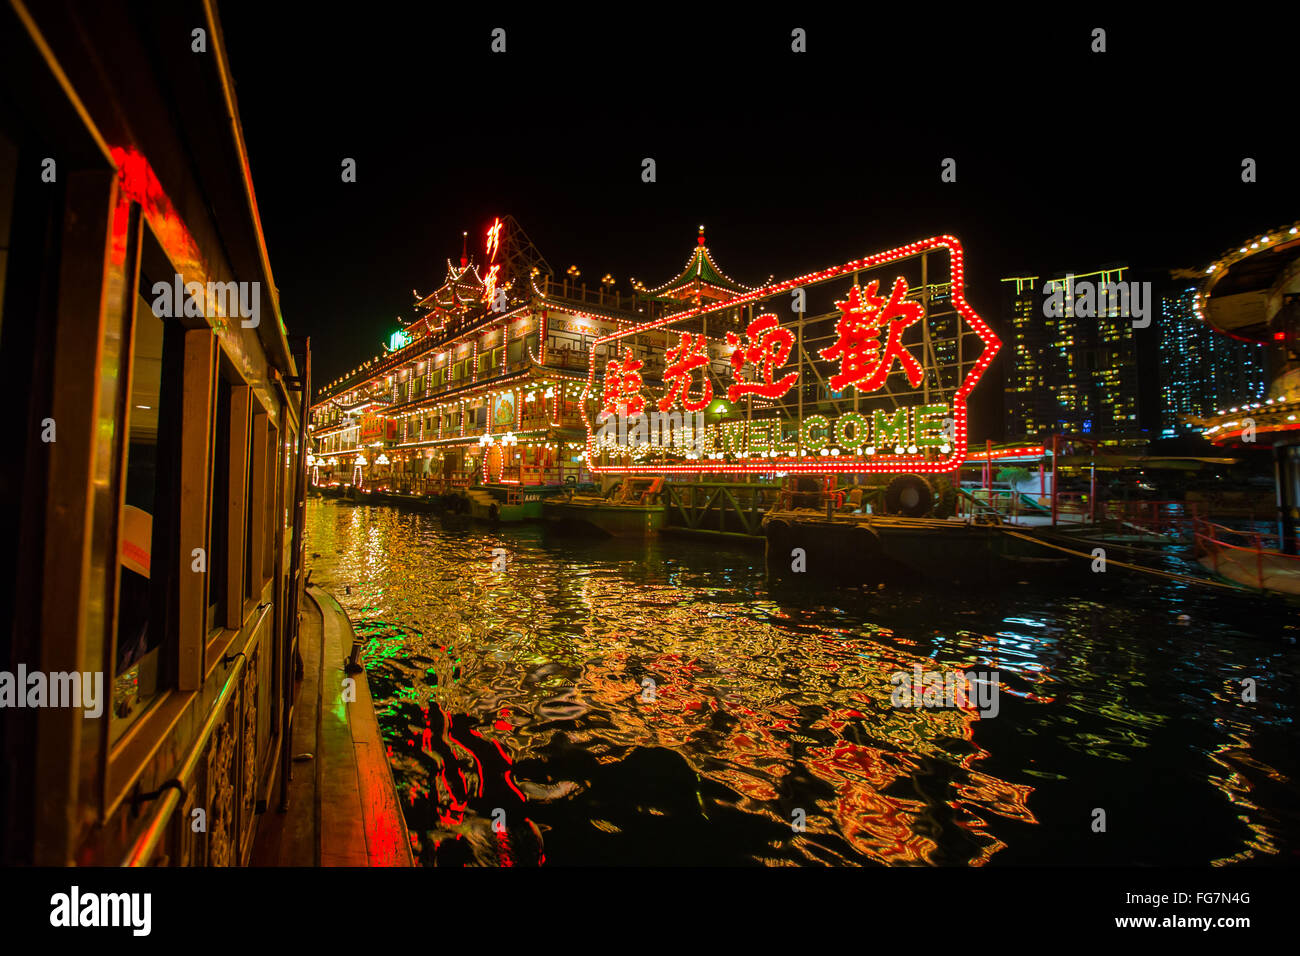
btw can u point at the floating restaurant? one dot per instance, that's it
(510, 377)
(486, 386)
(825, 412)
(466, 394)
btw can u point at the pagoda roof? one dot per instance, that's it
(701, 279)
(460, 290)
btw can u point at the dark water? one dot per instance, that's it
(521, 695)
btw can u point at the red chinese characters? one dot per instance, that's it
(768, 349)
(691, 352)
(863, 362)
(490, 284)
(623, 387)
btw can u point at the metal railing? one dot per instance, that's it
(1249, 556)
(556, 474)
(601, 295)
(728, 507)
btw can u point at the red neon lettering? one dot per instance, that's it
(691, 352)
(863, 363)
(769, 348)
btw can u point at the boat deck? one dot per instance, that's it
(343, 806)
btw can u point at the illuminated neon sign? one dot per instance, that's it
(398, 340)
(494, 267)
(809, 409)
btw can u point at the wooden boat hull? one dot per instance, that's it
(615, 520)
(1264, 572)
(862, 549)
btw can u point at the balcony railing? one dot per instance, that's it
(574, 291)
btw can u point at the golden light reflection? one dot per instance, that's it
(769, 703)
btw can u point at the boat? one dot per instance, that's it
(871, 549)
(915, 536)
(628, 509)
(1247, 558)
(159, 542)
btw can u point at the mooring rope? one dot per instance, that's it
(1173, 575)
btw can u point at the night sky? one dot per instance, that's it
(1065, 159)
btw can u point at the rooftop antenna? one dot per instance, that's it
(464, 250)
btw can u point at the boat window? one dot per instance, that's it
(217, 525)
(288, 492)
(255, 494)
(268, 528)
(139, 627)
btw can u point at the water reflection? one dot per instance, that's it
(655, 702)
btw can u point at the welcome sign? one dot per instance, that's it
(878, 383)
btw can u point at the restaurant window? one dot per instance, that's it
(515, 351)
(151, 426)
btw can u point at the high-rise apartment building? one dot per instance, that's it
(1201, 370)
(1073, 358)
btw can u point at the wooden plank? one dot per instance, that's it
(289, 837)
